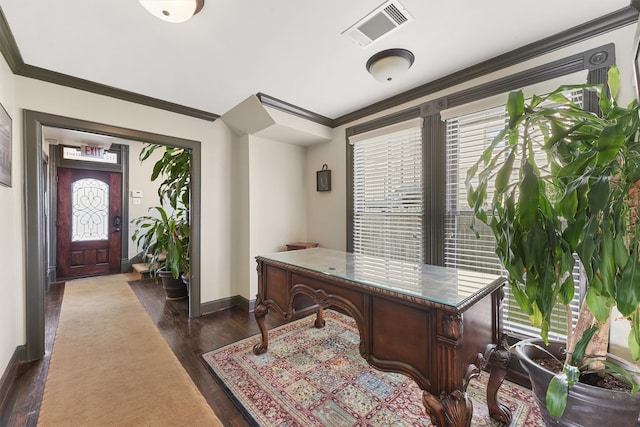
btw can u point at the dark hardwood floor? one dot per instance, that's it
(188, 338)
(22, 406)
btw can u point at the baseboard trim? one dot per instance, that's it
(11, 372)
(224, 304)
(125, 265)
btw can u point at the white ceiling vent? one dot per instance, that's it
(386, 18)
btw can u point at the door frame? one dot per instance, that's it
(57, 161)
(36, 260)
(55, 152)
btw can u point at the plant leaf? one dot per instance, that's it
(599, 194)
(515, 107)
(529, 197)
(504, 174)
(521, 298)
(577, 165)
(569, 204)
(628, 296)
(634, 345)
(557, 394)
(621, 254)
(587, 247)
(567, 290)
(609, 142)
(613, 80)
(607, 261)
(581, 346)
(574, 229)
(598, 305)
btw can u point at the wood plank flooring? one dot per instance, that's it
(22, 406)
(188, 338)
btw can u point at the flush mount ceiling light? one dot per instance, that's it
(390, 64)
(173, 10)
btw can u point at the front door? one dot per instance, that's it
(88, 223)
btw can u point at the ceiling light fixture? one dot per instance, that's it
(173, 10)
(390, 64)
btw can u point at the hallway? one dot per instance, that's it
(188, 338)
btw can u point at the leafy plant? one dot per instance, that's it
(174, 168)
(581, 197)
(164, 240)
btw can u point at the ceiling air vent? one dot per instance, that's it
(382, 21)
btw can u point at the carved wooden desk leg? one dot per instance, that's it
(260, 312)
(499, 357)
(454, 410)
(320, 322)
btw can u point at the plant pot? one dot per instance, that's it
(587, 405)
(174, 288)
(185, 279)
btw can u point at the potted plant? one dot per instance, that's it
(164, 237)
(164, 240)
(579, 197)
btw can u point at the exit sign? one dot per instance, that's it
(88, 151)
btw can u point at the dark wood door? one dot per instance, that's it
(88, 223)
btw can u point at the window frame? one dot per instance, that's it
(596, 61)
(377, 144)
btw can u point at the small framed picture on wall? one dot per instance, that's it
(323, 179)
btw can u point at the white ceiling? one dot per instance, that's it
(292, 50)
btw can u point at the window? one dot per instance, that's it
(467, 136)
(89, 210)
(453, 133)
(388, 208)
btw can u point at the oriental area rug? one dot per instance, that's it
(316, 377)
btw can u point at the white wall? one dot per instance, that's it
(327, 219)
(240, 276)
(140, 180)
(12, 289)
(277, 200)
(327, 212)
(216, 232)
(215, 140)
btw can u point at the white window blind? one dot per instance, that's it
(466, 138)
(388, 207)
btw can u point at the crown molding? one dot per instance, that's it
(11, 53)
(604, 24)
(278, 104)
(100, 89)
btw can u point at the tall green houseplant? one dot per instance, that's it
(579, 196)
(164, 237)
(174, 171)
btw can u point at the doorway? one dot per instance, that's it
(36, 274)
(88, 223)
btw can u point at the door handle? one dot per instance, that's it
(117, 221)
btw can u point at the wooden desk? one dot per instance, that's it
(440, 326)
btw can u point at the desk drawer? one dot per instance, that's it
(356, 297)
